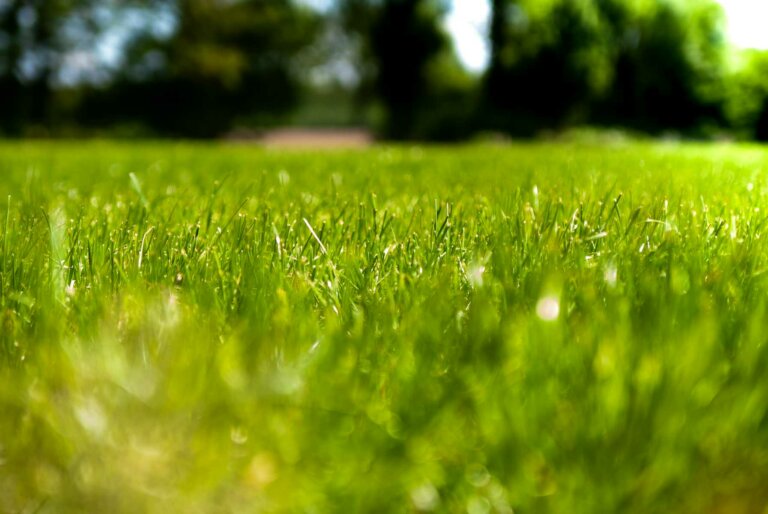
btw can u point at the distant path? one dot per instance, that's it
(311, 138)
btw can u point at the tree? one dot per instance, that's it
(667, 65)
(747, 98)
(31, 48)
(226, 61)
(400, 41)
(761, 127)
(547, 65)
(10, 56)
(650, 65)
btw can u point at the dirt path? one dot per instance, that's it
(316, 138)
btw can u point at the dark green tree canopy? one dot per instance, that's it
(33, 43)
(223, 61)
(650, 65)
(400, 40)
(226, 61)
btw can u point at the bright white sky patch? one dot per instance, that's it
(747, 22)
(468, 24)
(548, 308)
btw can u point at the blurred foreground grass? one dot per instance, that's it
(529, 329)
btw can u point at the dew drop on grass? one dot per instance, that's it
(238, 435)
(475, 275)
(548, 308)
(91, 416)
(425, 497)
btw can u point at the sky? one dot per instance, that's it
(747, 27)
(467, 23)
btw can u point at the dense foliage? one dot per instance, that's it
(541, 328)
(408, 70)
(649, 65)
(226, 63)
(205, 67)
(200, 68)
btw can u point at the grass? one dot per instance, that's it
(538, 328)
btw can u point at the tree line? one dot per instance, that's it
(199, 68)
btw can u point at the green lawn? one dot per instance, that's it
(543, 328)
